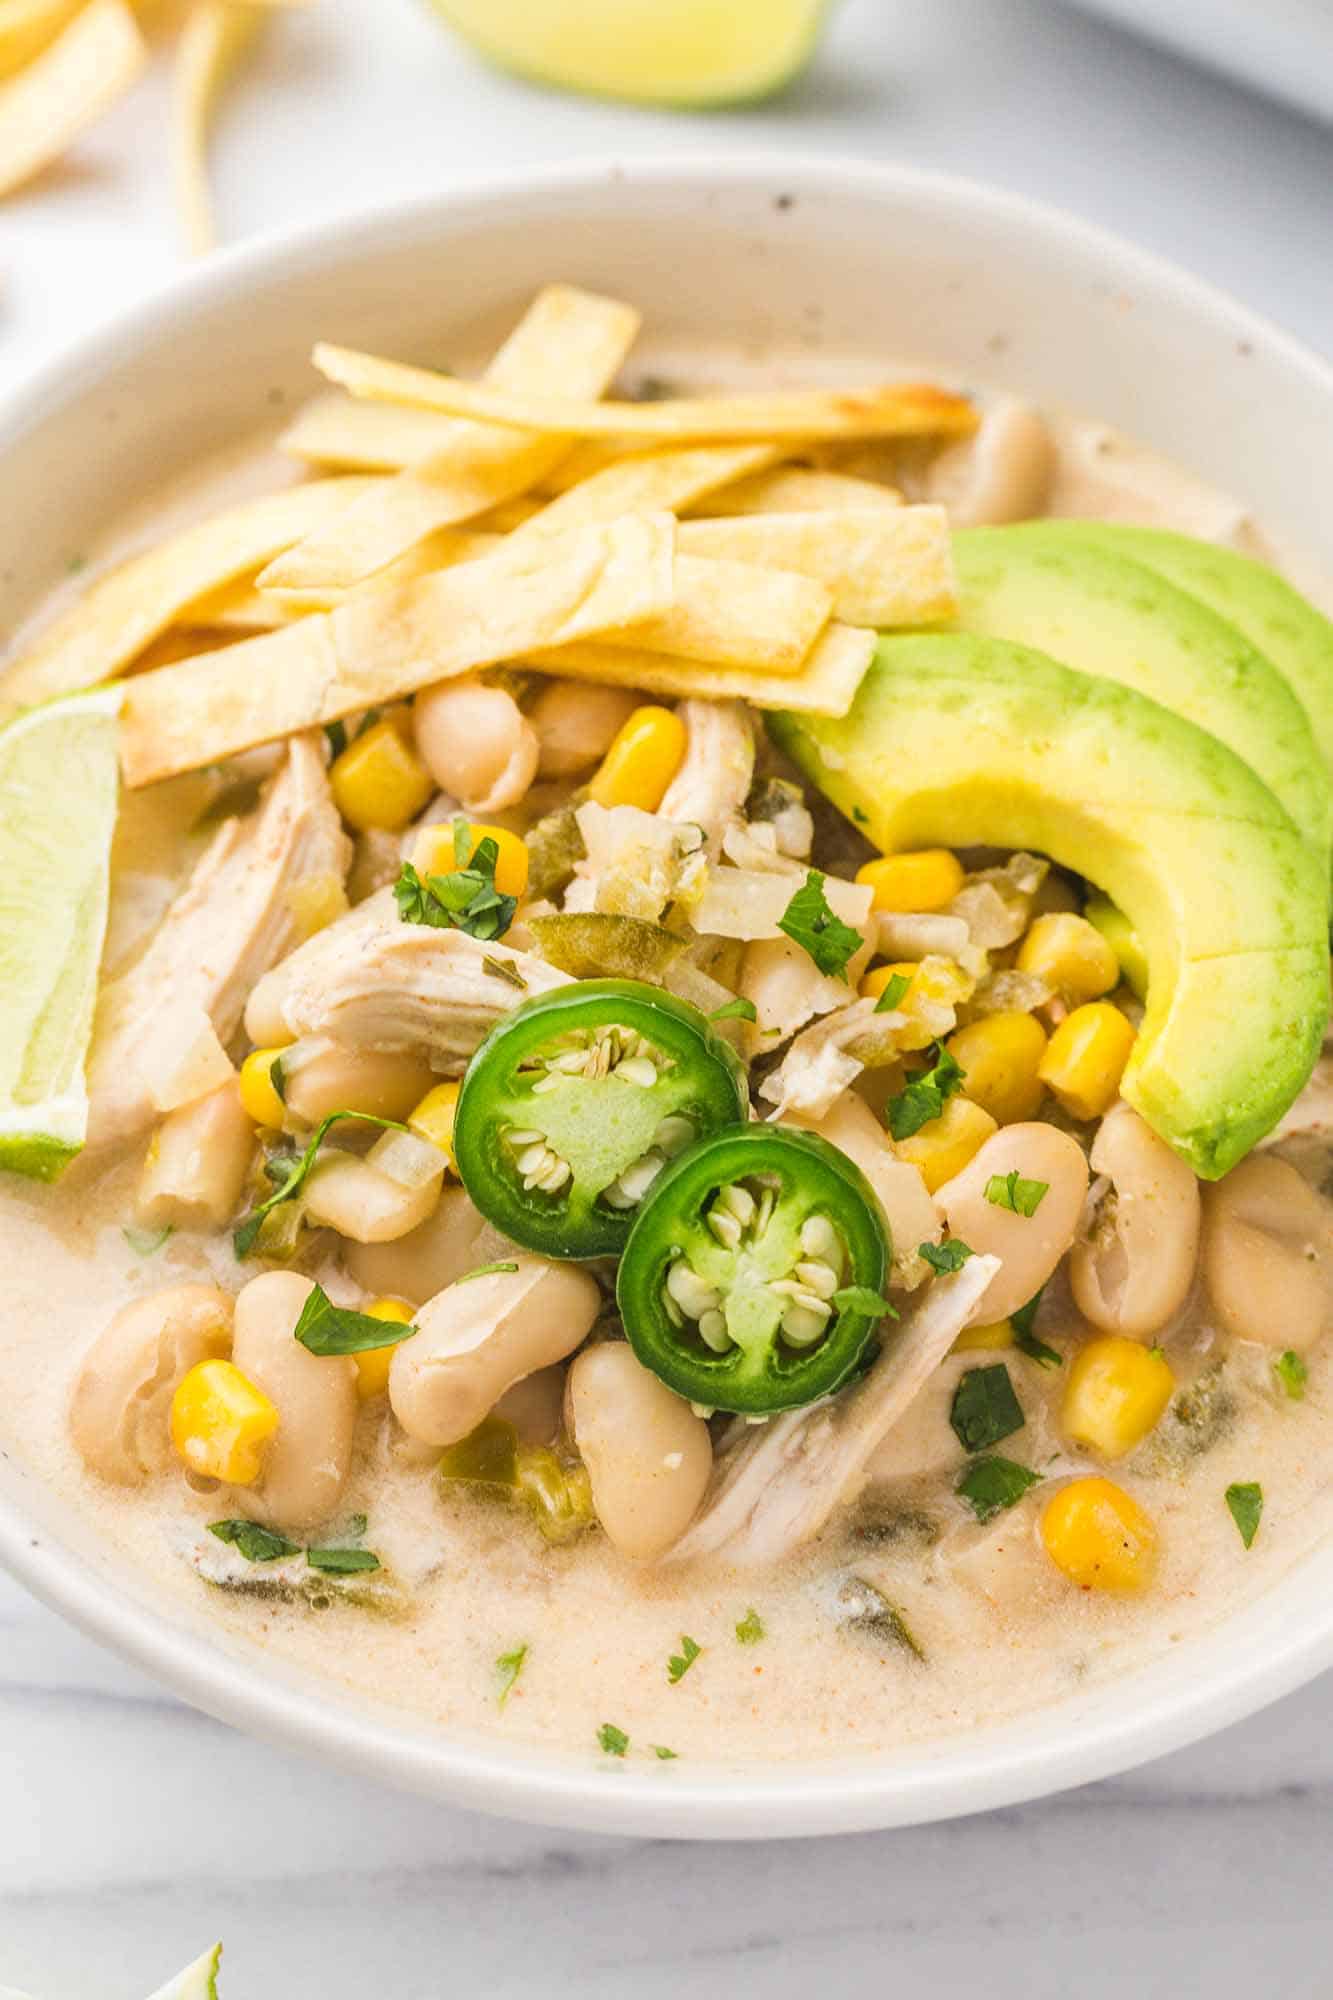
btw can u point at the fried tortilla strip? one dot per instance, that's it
(442, 550)
(566, 336)
(736, 615)
(216, 35)
(43, 109)
(899, 409)
(801, 489)
(652, 479)
(826, 684)
(336, 430)
(112, 622)
(884, 566)
(390, 639)
(29, 26)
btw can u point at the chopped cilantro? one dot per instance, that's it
(614, 1741)
(484, 1271)
(680, 1663)
(277, 1076)
(508, 1667)
(861, 818)
(1026, 1341)
(861, 1299)
(257, 1544)
(951, 1255)
(1292, 1373)
(342, 1562)
(985, 1408)
(289, 1173)
(144, 1242)
(466, 899)
(809, 922)
(750, 1629)
(1246, 1504)
(739, 1009)
(893, 992)
(336, 736)
(667, 1756)
(989, 1485)
(324, 1328)
(926, 1096)
(1011, 1191)
(505, 968)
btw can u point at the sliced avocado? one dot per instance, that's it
(1037, 583)
(959, 741)
(1123, 939)
(1295, 635)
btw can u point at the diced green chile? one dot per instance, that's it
(727, 1284)
(576, 1099)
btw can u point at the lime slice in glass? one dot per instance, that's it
(58, 789)
(198, 1981)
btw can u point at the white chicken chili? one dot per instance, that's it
(683, 1109)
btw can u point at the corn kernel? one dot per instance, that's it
(874, 982)
(220, 1423)
(1069, 955)
(644, 757)
(259, 1093)
(372, 1363)
(1117, 1392)
(1099, 1537)
(379, 780)
(433, 1118)
(433, 854)
(944, 1145)
(926, 880)
(1001, 1054)
(1000, 1333)
(1086, 1057)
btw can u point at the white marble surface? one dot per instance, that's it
(133, 1831)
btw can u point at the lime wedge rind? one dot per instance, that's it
(58, 790)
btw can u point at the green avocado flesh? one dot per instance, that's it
(1262, 605)
(960, 741)
(1043, 584)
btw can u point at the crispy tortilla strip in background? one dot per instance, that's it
(391, 639)
(649, 480)
(336, 430)
(826, 685)
(737, 615)
(889, 566)
(43, 109)
(904, 409)
(114, 620)
(441, 550)
(801, 489)
(216, 35)
(29, 26)
(566, 336)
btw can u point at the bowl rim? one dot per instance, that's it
(520, 1781)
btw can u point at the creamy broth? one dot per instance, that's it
(975, 1625)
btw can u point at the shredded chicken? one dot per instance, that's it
(714, 781)
(829, 1055)
(248, 902)
(778, 1484)
(379, 983)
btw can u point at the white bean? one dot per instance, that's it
(349, 1194)
(1029, 1246)
(197, 1162)
(912, 1216)
(1268, 1254)
(120, 1410)
(454, 1239)
(320, 1076)
(1002, 473)
(477, 1338)
(649, 1458)
(476, 742)
(307, 1460)
(1134, 1270)
(576, 723)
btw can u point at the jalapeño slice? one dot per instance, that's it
(577, 1100)
(752, 1275)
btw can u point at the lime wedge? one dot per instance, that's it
(688, 52)
(198, 1981)
(58, 788)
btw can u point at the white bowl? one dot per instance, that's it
(972, 283)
